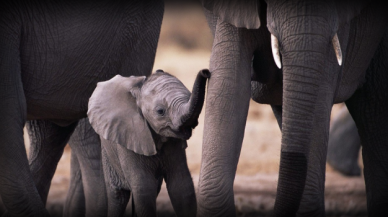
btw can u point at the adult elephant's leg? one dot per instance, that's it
(17, 189)
(48, 141)
(75, 199)
(86, 145)
(369, 106)
(226, 112)
(344, 144)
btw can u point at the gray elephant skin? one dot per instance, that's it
(144, 125)
(344, 144)
(52, 54)
(307, 55)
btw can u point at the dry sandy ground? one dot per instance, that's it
(184, 49)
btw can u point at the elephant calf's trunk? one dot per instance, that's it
(194, 106)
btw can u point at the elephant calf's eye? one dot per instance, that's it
(160, 111)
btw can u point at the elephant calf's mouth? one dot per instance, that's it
(186, 132)
(183, 132)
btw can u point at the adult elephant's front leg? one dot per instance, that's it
(17, 190)
(226, 112)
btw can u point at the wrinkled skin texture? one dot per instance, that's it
(301, 94)
(86, 174)
(52, 54)
(128, 173)
(47, 144)
(163, 102)
(344, 144)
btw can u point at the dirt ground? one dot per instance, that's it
(184, 49)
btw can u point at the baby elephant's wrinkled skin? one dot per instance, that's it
(143, 124)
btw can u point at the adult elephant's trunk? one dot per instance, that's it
(194, 106)
(306, 109)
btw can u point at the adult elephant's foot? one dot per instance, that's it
(215, 198)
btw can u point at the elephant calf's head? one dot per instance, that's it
(122, 109)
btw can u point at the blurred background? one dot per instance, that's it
(184, 49)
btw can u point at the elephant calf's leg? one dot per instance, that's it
(180, 184)
(75, 199)
(144, 196)
(117, 201)
(86, 145)
(48, 141)
(117, 198)
(139, 172)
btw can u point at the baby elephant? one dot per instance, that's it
(143, 124)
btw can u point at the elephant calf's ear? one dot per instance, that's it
(239, 13)
(114, 115)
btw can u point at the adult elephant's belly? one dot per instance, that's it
(64, 55)
(64, 100)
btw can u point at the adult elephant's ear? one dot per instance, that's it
(349, 9)
(114, 115)
(236, 12)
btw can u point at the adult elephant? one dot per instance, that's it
(344, 144)
(52, 54)
(314, 74)
(46, 148)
